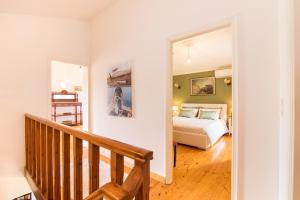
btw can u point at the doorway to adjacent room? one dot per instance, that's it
(202, 63)
(69, 94)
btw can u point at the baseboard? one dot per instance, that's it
(152, 174)
(129, 166)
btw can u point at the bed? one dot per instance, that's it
(200, 133)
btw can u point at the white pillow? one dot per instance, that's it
(218, 110)
(212, 115)
(195, 111)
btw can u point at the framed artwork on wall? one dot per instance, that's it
(119, 88)
(203, 86)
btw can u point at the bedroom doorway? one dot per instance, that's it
(69, 94)
(201, 140)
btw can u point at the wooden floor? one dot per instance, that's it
(199, 175)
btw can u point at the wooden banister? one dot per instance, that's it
(48, 163)
(97, 195)
(118, 147)
(128, 190)
(133, 182)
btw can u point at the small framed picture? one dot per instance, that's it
(203, 86)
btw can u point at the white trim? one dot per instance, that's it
(49, 89)
(286, 135)
(235, 110)
(91, 105)
(231, 21)
(169, 114)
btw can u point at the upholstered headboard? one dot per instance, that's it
(223, 114)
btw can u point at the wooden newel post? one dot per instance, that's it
(143, 193)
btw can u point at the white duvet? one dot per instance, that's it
(214, 129)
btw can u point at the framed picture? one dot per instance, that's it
(119, 102)
(203, 86)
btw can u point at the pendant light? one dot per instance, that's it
(188, 44)
(188, 59)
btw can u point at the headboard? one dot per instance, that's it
(223, 114)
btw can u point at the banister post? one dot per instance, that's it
(37, 151)
(49, 163)
(26, 142)
(143, 193)
(117, 168)
(43, 158)
(56, 165)
(33, 154)
(94, 159)
(77, 165)
(29, 144)
(66, 166)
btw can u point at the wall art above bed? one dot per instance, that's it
(203, 86)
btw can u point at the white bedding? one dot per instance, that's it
(213, 129)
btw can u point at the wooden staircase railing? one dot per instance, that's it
(24, 197)
(48, 158)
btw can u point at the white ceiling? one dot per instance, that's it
(207, 51)
(76, 9)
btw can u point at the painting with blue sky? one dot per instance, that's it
(119, 88)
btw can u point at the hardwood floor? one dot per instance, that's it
(199, 175)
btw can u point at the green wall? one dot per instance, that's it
(182, 95)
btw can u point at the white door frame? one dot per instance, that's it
(287, 104)
(232, 21)
(287, 99)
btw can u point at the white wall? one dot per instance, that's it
(71, 75)
(13, 186)
(139, 29)
(297, 104)
(28, 44)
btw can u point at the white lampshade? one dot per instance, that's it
(63, 85)
(175, 108)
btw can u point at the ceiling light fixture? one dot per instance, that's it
(188, 60)
(188, 45)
